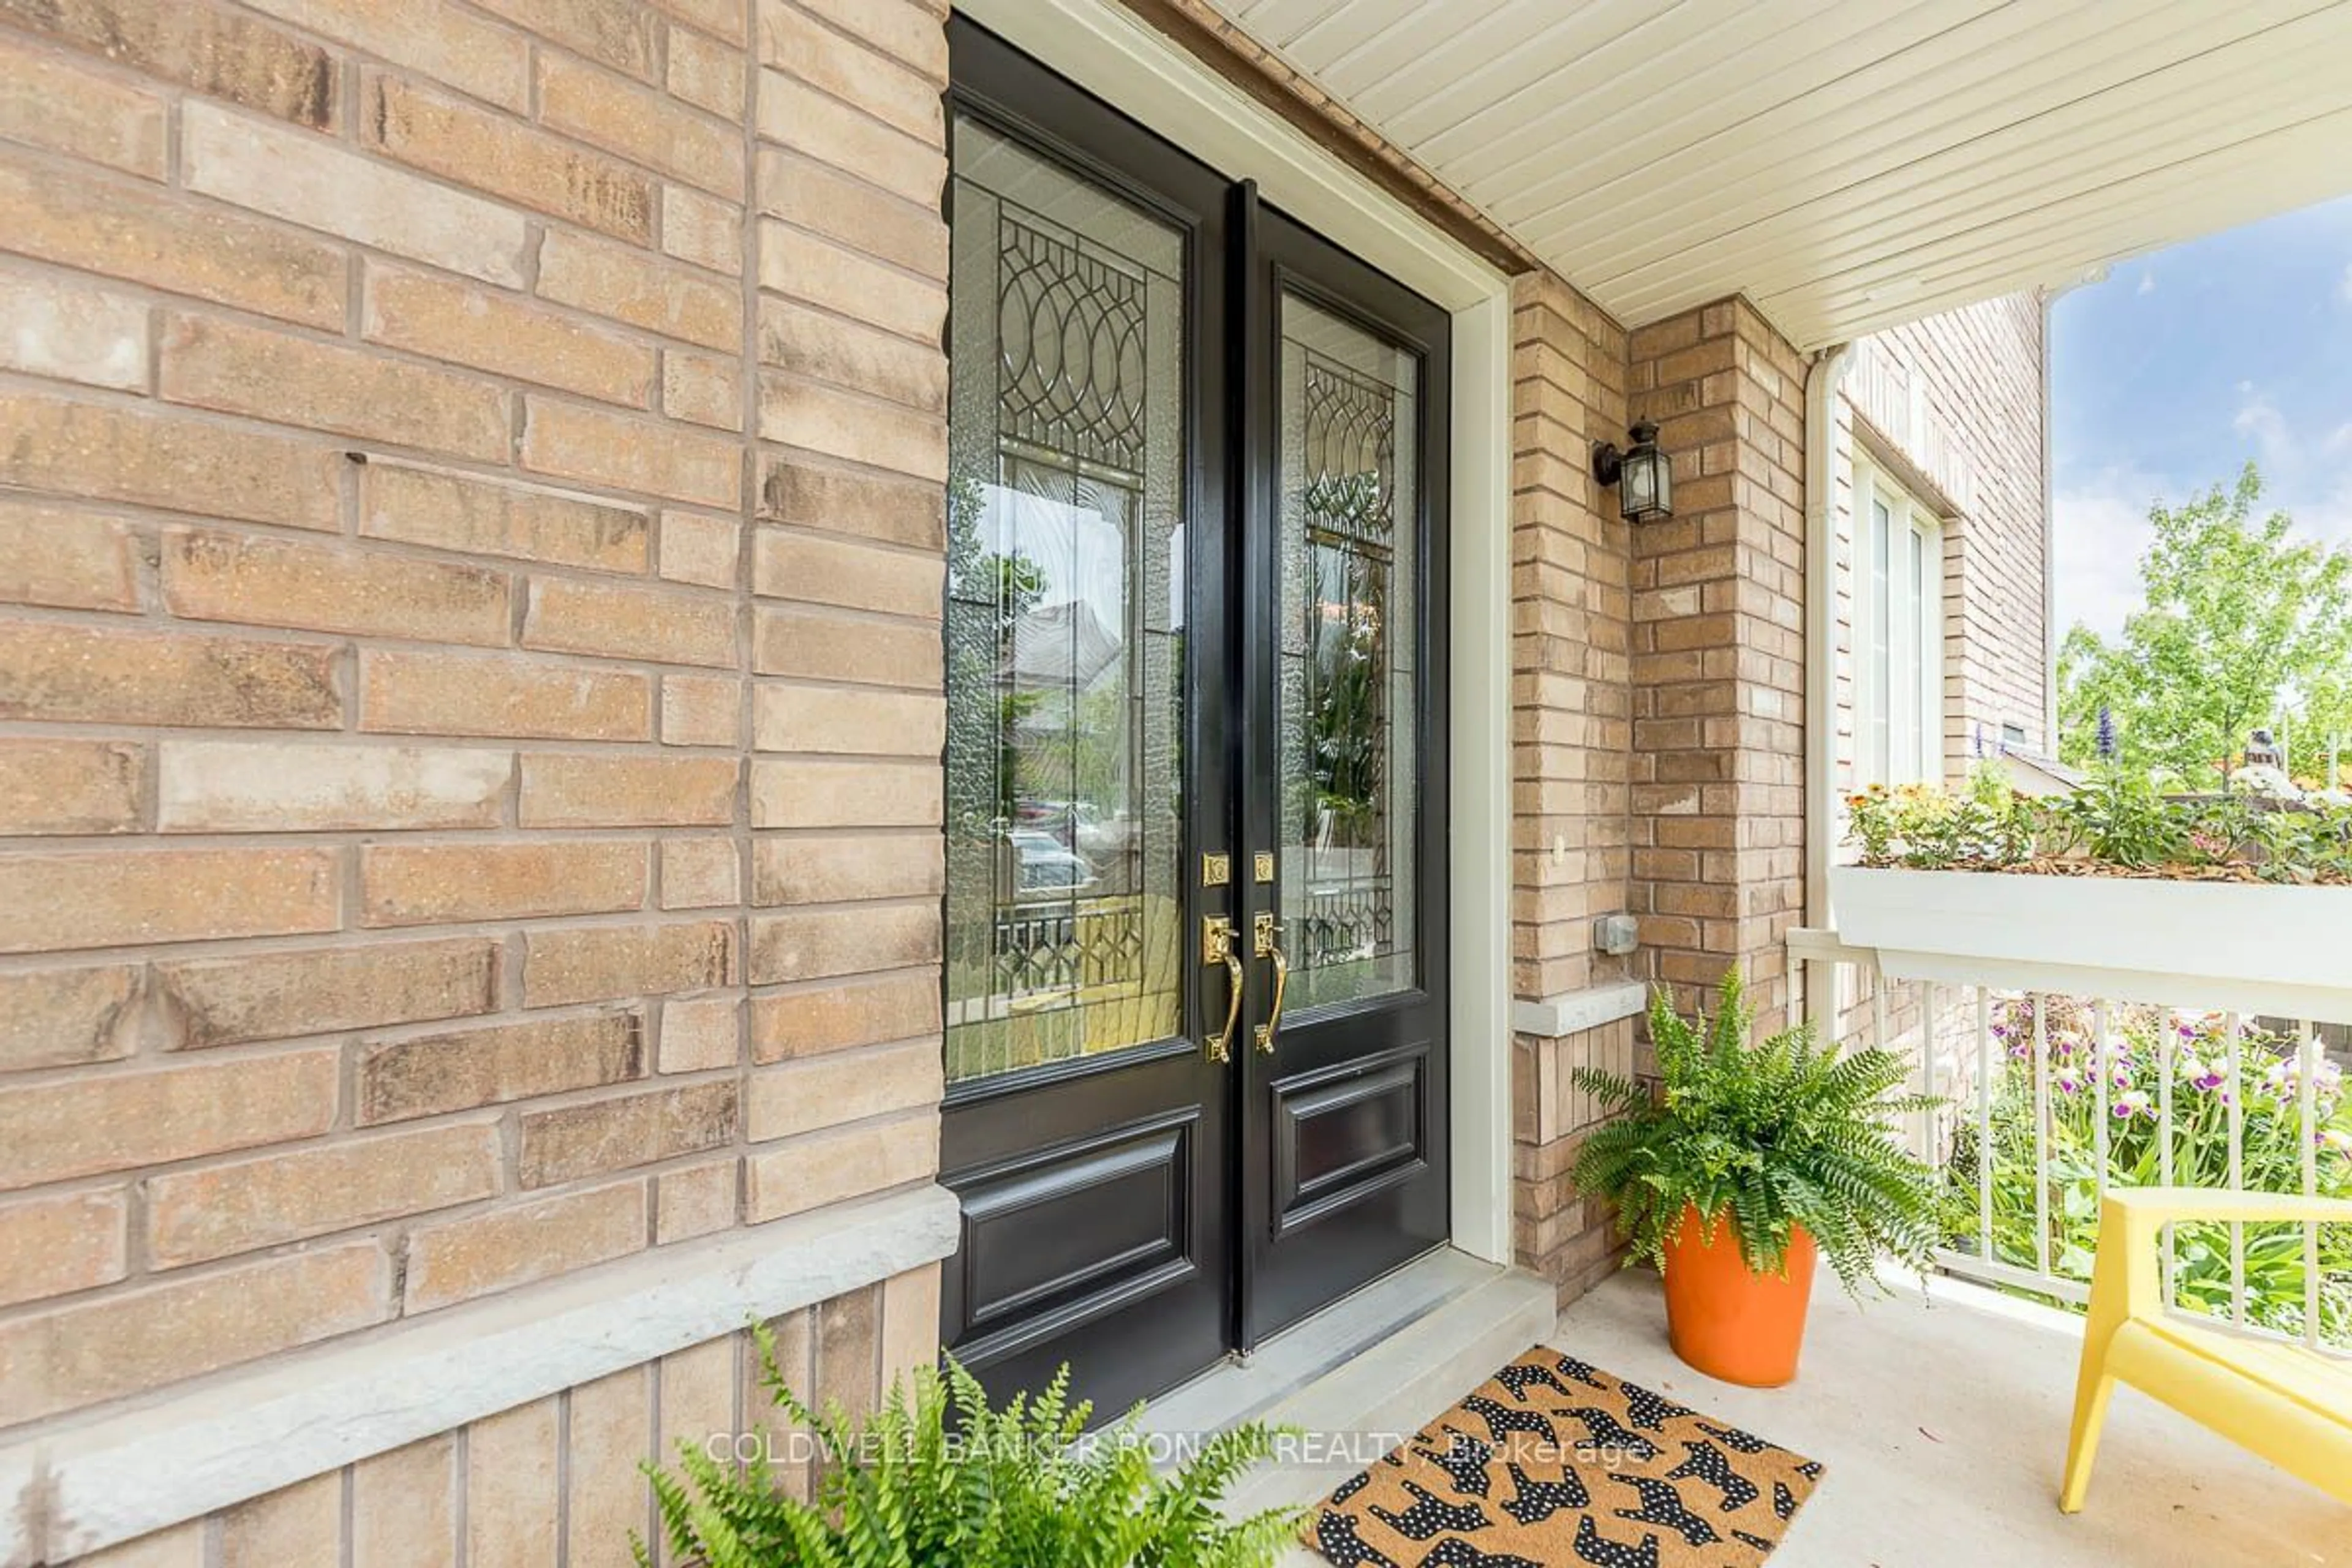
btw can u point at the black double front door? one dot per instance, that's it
(1196, 944)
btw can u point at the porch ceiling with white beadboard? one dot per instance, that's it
(1846, 163)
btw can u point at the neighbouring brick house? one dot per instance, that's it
(567, 785)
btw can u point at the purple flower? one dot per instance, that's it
(2200, 1072)
(2126, 1106)
(2069, 1084)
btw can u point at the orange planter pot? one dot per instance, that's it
(1728, 1321)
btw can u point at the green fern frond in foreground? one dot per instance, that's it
(935, 1479)
(1764, 1137)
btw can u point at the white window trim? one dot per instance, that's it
(1917, 626)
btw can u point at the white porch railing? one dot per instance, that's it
(2056, 1085)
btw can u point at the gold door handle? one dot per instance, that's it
(1217, 947)
(1266, 932)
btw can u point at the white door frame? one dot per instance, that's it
(1105, 49)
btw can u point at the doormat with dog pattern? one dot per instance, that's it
(1555, 1464)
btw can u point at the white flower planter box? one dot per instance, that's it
(2249, 947)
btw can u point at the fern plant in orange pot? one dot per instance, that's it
(1746, 1163)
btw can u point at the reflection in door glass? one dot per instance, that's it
(1349, 511)
(1064, 617)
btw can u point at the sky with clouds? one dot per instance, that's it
(2181, 365)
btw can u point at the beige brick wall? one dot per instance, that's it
(1571, 747)
(557, 1480)
(1719, 653)
(470, 531)
(1571, 627)
(1558, 1232)
(1959, 398)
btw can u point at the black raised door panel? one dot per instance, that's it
(1346, 1130)
(1107, 1214)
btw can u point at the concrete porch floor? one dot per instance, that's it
(1943, 1423)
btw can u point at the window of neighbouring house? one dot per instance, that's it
(1899, 632)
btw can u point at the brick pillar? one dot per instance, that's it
(849, 714)
(1719, 653)
(1571, 714)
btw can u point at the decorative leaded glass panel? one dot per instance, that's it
(1350, 512)
(1064, 620)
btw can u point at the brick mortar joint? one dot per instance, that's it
(747, 626)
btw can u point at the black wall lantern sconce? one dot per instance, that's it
(1644, 480)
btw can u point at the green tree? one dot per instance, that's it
(1348, 656)
(2243, 624)
(988, 594)
(2325, 733)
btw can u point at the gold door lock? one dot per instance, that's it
(1217, 947)
(1266, 932)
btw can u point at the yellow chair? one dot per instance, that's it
(2290, 1405)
